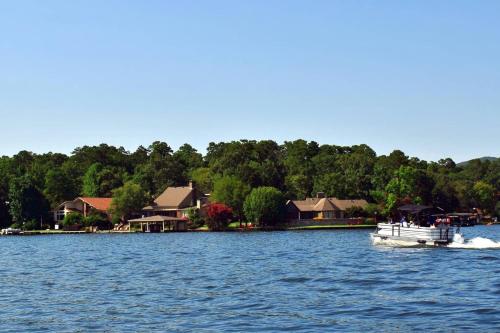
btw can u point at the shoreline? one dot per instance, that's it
(305, 228)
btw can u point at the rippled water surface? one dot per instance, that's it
(307, 281)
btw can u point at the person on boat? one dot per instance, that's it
(403, 221)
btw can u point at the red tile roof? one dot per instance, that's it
(102, 204)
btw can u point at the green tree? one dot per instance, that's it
(188, 158)
(5, 218)
(357, 172)
(298, 186)
(484, 195)
(202, 177)
(300, 167)
(162, 170)
(402, 187)
(111, 178)
(100, 221)
(332, 184)
(265, 206)
(410, 184)
(128, 199)
(195, 218)
(355, 211)
(59, 187)
(231, 191)
(26, 201)
(444, 194)
(255, 163)
(100, 181)
(91, 184)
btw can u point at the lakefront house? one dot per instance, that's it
(321, 207)
(169, 211)
(176, 202)
(83, 205)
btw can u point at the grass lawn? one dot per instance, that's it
(204, 228)
(236, 225)
(233, 225)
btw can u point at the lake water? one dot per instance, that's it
(304, 281)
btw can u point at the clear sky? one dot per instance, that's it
(420, 76)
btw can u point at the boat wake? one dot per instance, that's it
(475, 243)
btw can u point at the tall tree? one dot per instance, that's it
(203, 179)
(300, 170)
(91, 183)
(188, 158)
(484, 196)
(231, 191)
(59, 187)
(27, 203)
(128, 199)
(265, 206)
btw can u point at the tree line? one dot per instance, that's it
(33, 184)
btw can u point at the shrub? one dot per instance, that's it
(265, 206)
(219, 216)
(73, 219)
(195, 219)
(115, 219)
(355, 211)
(97, 220)
(31, 225)
(372, 210)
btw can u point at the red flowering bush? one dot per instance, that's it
(219, 216)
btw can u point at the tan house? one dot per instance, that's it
(175, 202)
(83, 205)
(321, 207)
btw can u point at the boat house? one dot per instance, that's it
(158, 223)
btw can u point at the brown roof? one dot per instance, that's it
(157, 218)
(327, 204)
(174, 198)
(324, 205)
(102, 204)
(345, 204)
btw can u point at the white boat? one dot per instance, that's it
(424, 229)
(413, 235)
(11, 231)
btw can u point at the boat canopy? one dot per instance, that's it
(414, 209)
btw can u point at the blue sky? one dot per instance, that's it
(420, 76)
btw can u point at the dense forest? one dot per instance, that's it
(31, 184)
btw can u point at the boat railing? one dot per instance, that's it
(398, 227)
(444, 232)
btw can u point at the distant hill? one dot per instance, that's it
(485, 158)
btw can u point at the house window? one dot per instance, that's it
(60, 215)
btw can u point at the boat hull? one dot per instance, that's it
(397, 235)
(405, 241)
